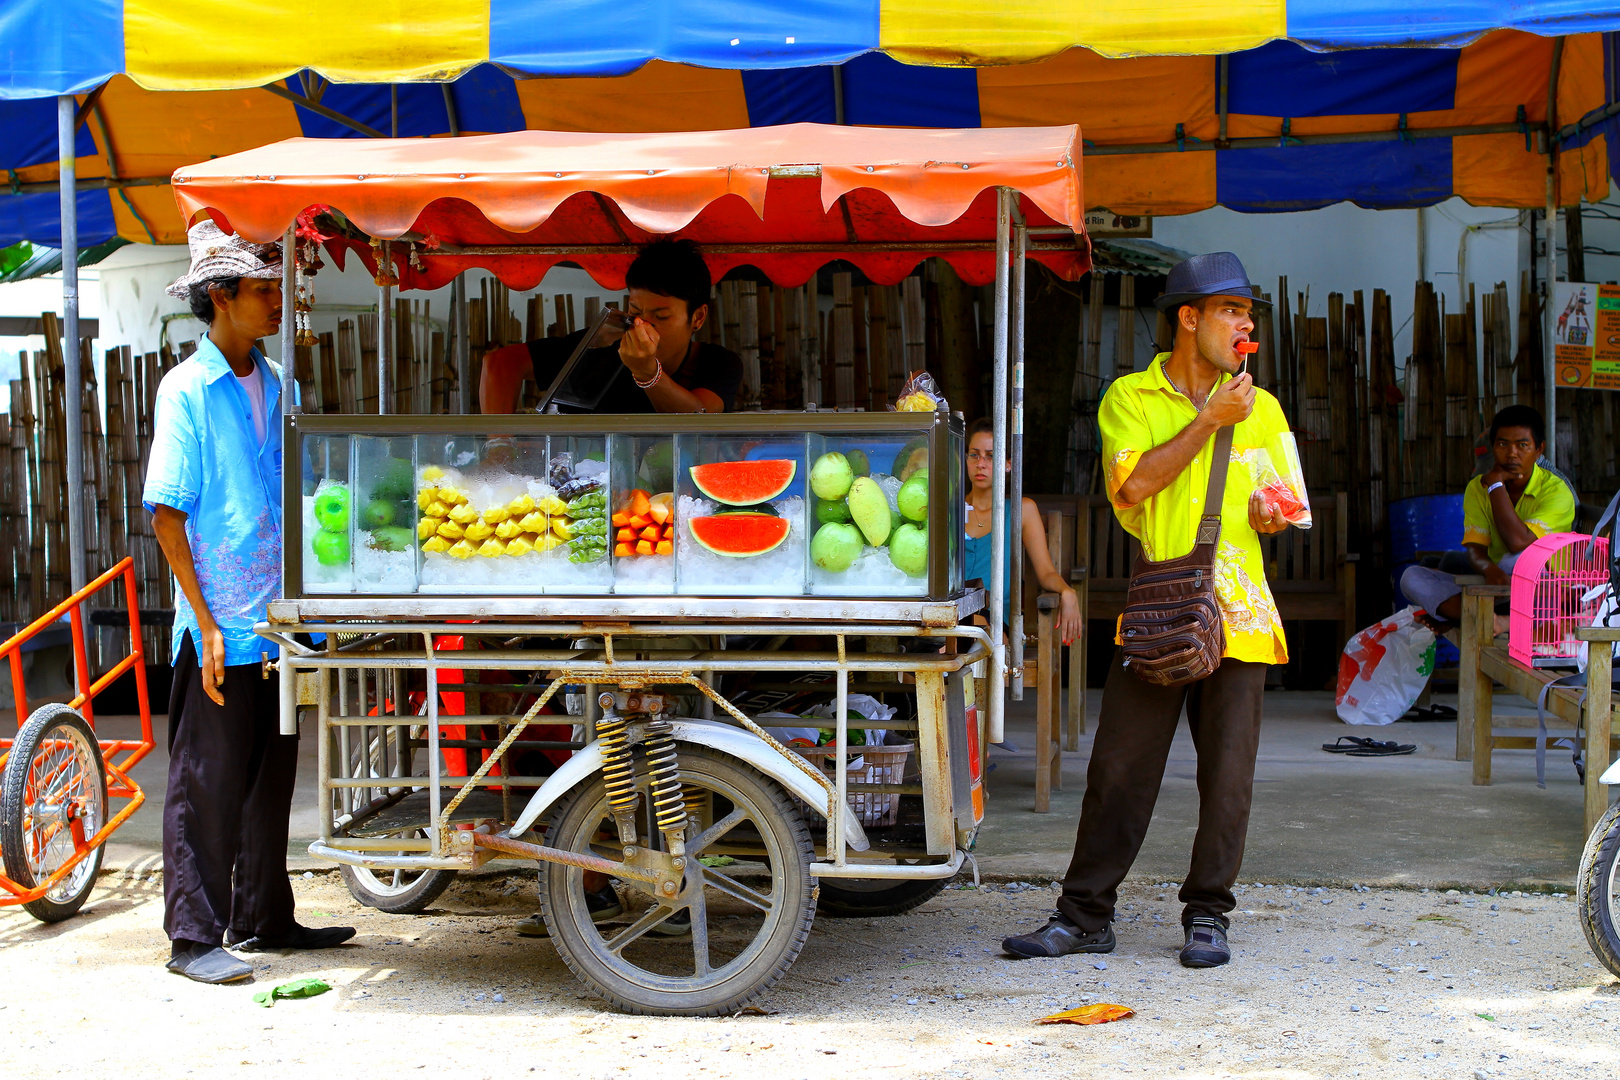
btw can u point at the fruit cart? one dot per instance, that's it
(568, 638)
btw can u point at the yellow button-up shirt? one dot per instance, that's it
(1142, 410)
(1547, 506)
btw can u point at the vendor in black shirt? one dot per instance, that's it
(662, 368)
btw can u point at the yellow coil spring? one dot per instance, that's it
(697, 801)
(663, 775)
(618, 771)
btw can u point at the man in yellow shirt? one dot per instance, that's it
(1158, 430)
(1504, 511)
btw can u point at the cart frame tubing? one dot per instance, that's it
(565, 667)
(119, 783)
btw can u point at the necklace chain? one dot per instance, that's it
(1189, 397)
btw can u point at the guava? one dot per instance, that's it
(858, 461)
(332, 509)
(378, 512)
(831, 476)
(909, 550)
(657, 471)
(870, 509)
(828, 510)
(912, 456)
(390, 538)
(393, 480)
(835, 546)
(331, 548)
(913, 497)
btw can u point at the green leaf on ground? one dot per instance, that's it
(298, 988)
(1486, 1016)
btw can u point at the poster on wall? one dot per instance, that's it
(1586, 338)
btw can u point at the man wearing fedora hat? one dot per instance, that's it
(213, 487)
(1158, 430)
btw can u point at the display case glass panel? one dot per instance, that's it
(644, 538)
(955, 501)
(326, 559)
(740, 506)
(384, 539)
(869, 496)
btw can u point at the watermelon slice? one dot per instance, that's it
(740, 535)
(744, 483)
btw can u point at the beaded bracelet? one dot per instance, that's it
(658, 373)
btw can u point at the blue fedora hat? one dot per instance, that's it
(1219, 273)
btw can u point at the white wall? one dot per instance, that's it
(1343, 248)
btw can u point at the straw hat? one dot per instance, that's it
(216, 254)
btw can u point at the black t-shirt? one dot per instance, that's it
(710, 368)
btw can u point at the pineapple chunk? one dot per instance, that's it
(479, 530)
(535, 521)
(553, 505)
(547, 542)
(436, 544)
(427, 527)
(496, 514)
(451, 497)
(427, 497)
(462, 549)
(508, 529)
(518, 546)
(463, 513)
(432, 473)
(521, 505)
(437, 509)
(492, 547)
(451, 530)
(560, 529)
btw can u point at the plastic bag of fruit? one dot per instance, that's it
(1280, 480)
(920, 394)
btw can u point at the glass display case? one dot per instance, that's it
(741, 505)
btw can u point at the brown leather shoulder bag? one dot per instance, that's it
(1171, 632)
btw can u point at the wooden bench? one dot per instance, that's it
(1311, 572)
(1483, 664)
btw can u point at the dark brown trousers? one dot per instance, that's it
(231, 775)
(1128, 757)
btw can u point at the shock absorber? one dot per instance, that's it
(618, 772)
(664, 781)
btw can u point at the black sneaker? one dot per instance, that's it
(299, 939)
(1059, 937)
(1206, 944)
(603, 905)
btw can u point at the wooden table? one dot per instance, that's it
(1482, 665)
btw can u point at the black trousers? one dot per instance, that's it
(230, 790)
(1137, 723)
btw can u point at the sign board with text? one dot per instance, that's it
(1586, 338)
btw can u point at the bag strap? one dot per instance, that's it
(1609, 514)
(1209, 526)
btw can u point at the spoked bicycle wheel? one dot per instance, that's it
(53, 798)
(383, 752)
(1597, 889)
(750, 906)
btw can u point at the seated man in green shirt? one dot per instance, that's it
(1504, 512)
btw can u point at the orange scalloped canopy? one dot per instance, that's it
(783, 199)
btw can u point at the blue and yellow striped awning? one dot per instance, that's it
(1181, 107)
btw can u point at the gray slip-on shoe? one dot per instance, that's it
(209, 966)
(1059, 937)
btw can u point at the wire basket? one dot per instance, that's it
(877, 765)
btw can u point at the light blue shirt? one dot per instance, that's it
(209, 463)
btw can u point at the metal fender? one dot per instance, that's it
(741, 744)
(1612, 776)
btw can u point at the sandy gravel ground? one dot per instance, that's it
(1325, 983)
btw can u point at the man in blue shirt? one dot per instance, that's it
(213, 486)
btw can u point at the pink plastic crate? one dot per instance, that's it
(1551, 581)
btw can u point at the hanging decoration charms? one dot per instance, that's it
(386, 278)
(308, 261)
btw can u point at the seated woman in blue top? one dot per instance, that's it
(980, 465)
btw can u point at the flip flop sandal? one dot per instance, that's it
(1352, 746)
(1439, 714)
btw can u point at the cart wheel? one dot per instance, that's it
(53, 797)
(398, 892)
(869, 898)
(749, 918)
(1597, 889)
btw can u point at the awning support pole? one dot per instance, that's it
(1550, 226)
(998, 467)
(73, 378)
(1015, 519)
(385, 333)
(465, 391)
(289, 322)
